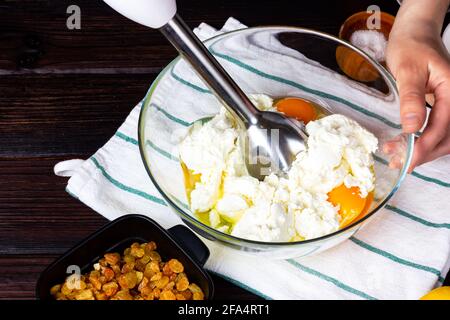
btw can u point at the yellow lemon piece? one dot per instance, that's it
(442, 293)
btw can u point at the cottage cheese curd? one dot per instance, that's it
(278, 209)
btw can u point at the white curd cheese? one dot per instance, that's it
(205, 151)
(278, 209)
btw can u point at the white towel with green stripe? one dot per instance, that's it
(402, 254)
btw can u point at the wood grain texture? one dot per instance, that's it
(36, 39)
(64, 93)
(64, 114)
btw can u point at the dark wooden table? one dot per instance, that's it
(63, 93)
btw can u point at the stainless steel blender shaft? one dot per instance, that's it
(222, 85)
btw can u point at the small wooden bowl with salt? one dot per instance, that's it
(371, 38)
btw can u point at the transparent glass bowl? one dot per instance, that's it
(280, 62)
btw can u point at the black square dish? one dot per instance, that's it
(177, 242)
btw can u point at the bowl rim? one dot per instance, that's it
(218, 234)
(389, 18)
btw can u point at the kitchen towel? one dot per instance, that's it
(401, 254)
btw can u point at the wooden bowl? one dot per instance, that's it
(352, 63)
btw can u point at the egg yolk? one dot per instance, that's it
(190, 179)
(297, 108)
(351, 205)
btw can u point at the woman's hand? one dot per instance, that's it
(420, 63)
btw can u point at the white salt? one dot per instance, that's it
(372, 42)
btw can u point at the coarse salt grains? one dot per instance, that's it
(373, 42)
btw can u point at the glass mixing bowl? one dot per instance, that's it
(280, 62)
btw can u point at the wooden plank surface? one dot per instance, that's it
(63, 93)
(39, 221)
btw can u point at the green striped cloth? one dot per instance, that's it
(403, 252)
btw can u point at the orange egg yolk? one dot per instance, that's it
(297, 108)
(351, 205)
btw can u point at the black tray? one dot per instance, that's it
(177, 242)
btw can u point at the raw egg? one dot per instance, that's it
(351, 205)
(297, 108)
(366, 209)
(190, 179)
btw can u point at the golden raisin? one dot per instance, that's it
(94, 274)
(108, 273)
(149, 296)
(198, 296)
(127, 267)
(65, 289)
(139, 265)
(135, 245)
(161, 283)
(60, 296)
(102, 262)
(116, 269)
(167, 271)
(128, 280)
(148, 272)
(84, 295)
(156, 293)
(187, 294)
(137, 252)
(175, 265)
(101, 296)
(110, 288)
(112, 258)
(182, 284)
(145, 291)
(167, 295)
(129, 258)
(102, 279)
(179, 296)
(152, 284)
(148, 247)
(169, 286)
(194, 288)
(123, 295)
(156, 276)
(82, 285)
(55, 289)
(151, 269)
(95, 281)
(145, 259)
(139, 276)
(173, 277)
(154, 256)
(143, 284)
